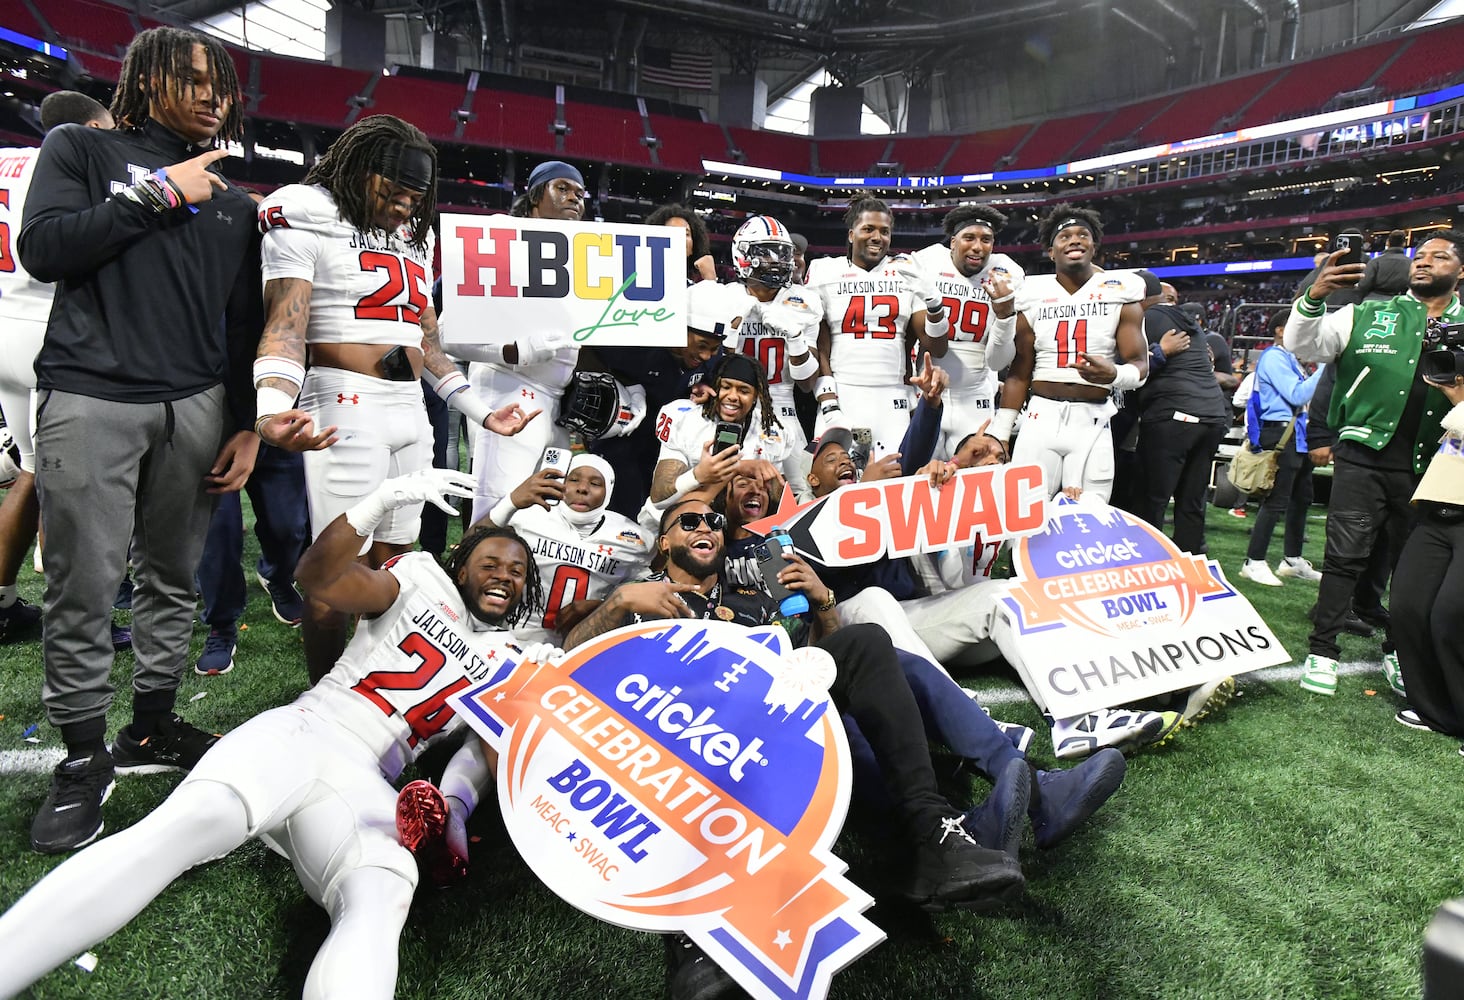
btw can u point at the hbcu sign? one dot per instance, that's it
(686, 776)
(1104, 609)
(901, 517)
(604, 283)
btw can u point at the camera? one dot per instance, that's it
(1443, 356)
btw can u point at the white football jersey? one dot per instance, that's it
(21, 296)
(367, 288)
(969, 308)
(390, 686)
(682, 430)
(766, 344)
(1064, 326)
(867, 312)
(575, 567)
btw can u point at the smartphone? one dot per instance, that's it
(396, 366)
(555, 458)
(1352, 243)
(770, 562)
(863, 442)
(727, 434)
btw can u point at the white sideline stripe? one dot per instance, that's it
(1019, 696)
(42, 761)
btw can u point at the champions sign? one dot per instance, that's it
(1104, 609)
(687, 776)
(602, 283)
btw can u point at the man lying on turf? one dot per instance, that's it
(313, 779)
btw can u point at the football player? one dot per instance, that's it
(25, 305)
(313, 779)
(780, 324)
(979, 287)
(1079, 339)
(536, 369)
(583, 549)
(347, 260)
(874, 306)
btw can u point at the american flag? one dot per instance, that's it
(686, 70)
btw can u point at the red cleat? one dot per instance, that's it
(422, 820)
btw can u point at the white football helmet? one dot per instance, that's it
(762, 251)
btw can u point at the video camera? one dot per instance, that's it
(1443, 355)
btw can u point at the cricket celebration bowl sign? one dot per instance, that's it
(686, 776)
(1104, 609)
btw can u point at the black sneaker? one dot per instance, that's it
(284, 600)
(19, 620)
(71, 816)
(951, 869)
(176, 746)
(692, 975)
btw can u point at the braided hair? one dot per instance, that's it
(861, 203)
(701, 243)
(1053, 220)
(764, 398)
(969, 215)
(531, 601)
(523, 205)
(165, 55)
(369, 147)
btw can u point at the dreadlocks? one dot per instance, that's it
(1063, 215)
(531, 601)
(764, 398)
(163, 57)
(861, 203)
(524, 203)
(969, 215)
(371, 146)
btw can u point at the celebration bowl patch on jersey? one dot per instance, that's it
(674, 776)
(1108, 610)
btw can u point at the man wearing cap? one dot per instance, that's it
(347, 261)
(666, 376)
(533, 370)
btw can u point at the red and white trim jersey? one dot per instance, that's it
(766, 344)
(367, 287)
(21, 296)
(682, 430)
(867, 312)
(969, 309)
(1065, 327)
(390, 686)
(575, 567)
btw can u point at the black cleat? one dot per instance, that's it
(692, 975)
(176, 746)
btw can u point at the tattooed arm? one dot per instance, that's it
(450, 384)
(282, 349)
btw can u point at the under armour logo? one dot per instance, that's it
(527, 393)
(50, 464)
(225, 218)
(353, 398)
(604, 550)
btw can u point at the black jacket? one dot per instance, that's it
(1184, 382)
(140, 297)
(1387, 274)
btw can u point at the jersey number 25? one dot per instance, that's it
(402, 277)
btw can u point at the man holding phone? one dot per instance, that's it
(1386, 416)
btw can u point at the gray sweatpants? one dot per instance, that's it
(109, 474)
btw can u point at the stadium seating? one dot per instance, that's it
(1121, 125)
(851, 156)
(305, 91)
(1308, 86)
(978, 153)
(1053, 140)
(1430, 59)
(98, 26)
(427, 104)
(607, 135)
(512, 121)
(684, 143)
(16, 15)
(1199, 112)
(923, 156)
(777, 150)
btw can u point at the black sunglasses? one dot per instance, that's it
(691, 519)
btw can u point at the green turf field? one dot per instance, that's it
(1292, 846)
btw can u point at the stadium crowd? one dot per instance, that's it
(182, 354)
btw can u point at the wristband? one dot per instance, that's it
(268, 402)
(472, 406)
(274, 366)
(1127, 377)
(687, 481)
(503, 511)
(1001, 425)
(454, 381)
(1005, 298)
(934, 307)
(825, 385)
(829, 406)
(937, 328)
(806, 368)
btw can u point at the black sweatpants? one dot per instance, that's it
(1427, 600)
(1175, 457)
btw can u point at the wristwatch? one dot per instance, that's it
(828, 604)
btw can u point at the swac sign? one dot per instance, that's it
(604, 283)
(673, 776)
(1105, 609)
